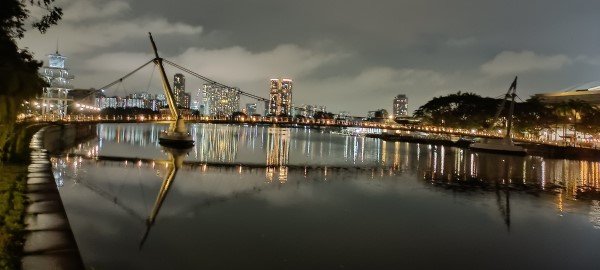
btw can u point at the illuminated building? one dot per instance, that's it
(280, 97)
(310, 110)
(179, 90)
(140, 100)
(197, 100)
(54, 98)
(185, 100)
(589, 93)
(220, 101)
(400, 106)
(251, 108)
(162, 100)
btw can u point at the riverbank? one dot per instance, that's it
(13, 180)
(48, 240)
(34, 230)
(543, 150)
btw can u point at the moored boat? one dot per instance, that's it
(500, 146)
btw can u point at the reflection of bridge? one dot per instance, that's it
(173, 164)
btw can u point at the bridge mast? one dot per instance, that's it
(178, 125)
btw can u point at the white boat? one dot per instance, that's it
(506, 144)
(500, 146)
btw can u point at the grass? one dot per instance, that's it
(12, 211)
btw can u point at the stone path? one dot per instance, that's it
(49, 242)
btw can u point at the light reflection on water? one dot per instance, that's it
(279, 147)
(305, 181)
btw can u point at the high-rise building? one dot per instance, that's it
(179, 89)
(197, 100)
(251, 108)
(266, 107)
(400, 106)
(220, 101)
(310, 110)
(54, 98)
(280, 97)
(185, 100)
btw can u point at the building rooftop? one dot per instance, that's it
(588, 92)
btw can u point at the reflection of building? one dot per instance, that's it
(217, 143)
(220, 101)
(54, 98)
(400, 106)
(280, 97)
(278, 149)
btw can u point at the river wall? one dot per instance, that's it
(49, 241)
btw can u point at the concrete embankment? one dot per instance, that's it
(49, 241)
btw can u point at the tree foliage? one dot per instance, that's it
(459, 110)
(468, 110)
(323, 115)
(19, 79)
(127, 111)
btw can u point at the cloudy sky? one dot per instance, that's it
(351, 55)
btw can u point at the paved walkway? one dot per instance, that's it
(49, 242)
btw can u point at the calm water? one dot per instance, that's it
(276, 198)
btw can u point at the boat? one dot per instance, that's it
(175, 139)
(506, 144)
(177, 135)
(500, 146)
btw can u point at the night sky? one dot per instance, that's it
(351, 55)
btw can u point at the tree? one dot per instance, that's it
(323, 115)
(533, 116)
(238, 116)
(19, 79)
(460, 110)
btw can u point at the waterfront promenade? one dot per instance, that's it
(389, 128)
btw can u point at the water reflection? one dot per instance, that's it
(445, 167)
(217, 144)
(278, 149)
(175, 162)
(353, 192)
(282, 147)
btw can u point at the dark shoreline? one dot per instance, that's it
(543, 150)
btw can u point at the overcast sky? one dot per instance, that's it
(351, 55)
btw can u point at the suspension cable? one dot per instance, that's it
(259, 98)
(116, 81)
(150, 80)
(127, 75)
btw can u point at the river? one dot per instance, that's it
(263, 197)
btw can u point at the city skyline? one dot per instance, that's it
(352, 53)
